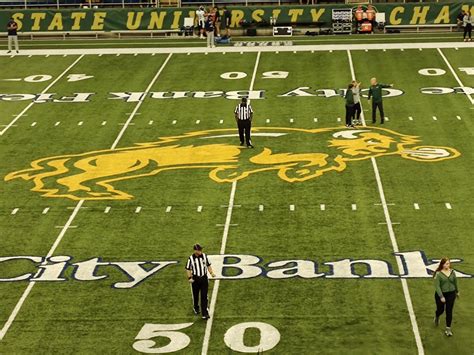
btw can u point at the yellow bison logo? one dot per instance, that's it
(295, 154)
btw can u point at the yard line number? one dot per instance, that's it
(145, 341)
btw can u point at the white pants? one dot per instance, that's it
(210, 38)
(13, 39)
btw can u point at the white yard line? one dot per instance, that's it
(454, 73)
(22, 113)
(68, 225)
(391, 233)
(225, 234)
(273, 49)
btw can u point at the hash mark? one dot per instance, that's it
(80, 123)
(268, 120)
(168, 209)
(448, 206)
(138, 209)
(107, 209)
(402, 49)
(197, 121)
(435, 118)
(57, 123)
(153, 54)
(292, 120)
(33, 124)
(339, 119)
(458, 117)
(150, 122)
(260, 208)
(416, 206)
(354, 207)
(410, 118)
(15, 210)
(135, 54)
(292, 207)
(221, 121)
(199, 209)
(323, 207)
(104, 123)
(45, 210)
(174, 122)
(315, 119)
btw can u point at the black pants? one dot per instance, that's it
(357, 111)
(244, 127)
(450, 297)
(200, 287)
(349, 114)
(468, 30)
(378, 105)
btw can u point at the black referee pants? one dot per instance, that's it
(450, 297)
(200, 287)
(467, 30)
(244, 127)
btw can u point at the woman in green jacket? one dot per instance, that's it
(446, 288)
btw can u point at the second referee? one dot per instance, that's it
(196, 268)
(243, 116)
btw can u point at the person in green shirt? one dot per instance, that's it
(349, 105)
(375, 92)
(446, 290)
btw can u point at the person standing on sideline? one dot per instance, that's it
(209, 25)
(201, 19)
(12, 27)
(225, 22)
(243, 116)
(349, 105)
(375, 92)
(357, 108)
(197, 267)
(467, 24)
(460, 20)
(446, 290)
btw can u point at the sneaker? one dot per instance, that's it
(17, 51)
(9, 52)
(382, 122)
(196, 311)
(241, 143)
(448, 332)
(249, 146)
(205, 316)
(436, 321)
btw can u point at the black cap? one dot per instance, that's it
(197, 246)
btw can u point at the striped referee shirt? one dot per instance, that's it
(244, 112)
(198, 264)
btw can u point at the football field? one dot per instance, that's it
(322, 237)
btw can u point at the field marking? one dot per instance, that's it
(77, 208)
(292, 208)
(458, 117)
(138, 209)
(33, 124)
(454, 74)
(215, 289)
(57, 123)
(150, 122)
(252, 49)
(416, 206)
(45, 210)
(260, 208)
(322, 206)
(435, 118)
(391, 232)
(15, 210)
(28, 289)
(354, 207)
(2, 132)
(104, 123)
(315, 119)
(174, 122)
(199, 209)
(448, 206)
(410, 118)
(168, 209)
(107, 209)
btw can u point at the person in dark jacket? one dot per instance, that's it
(446, 291)
(375, 92)
(349, 105)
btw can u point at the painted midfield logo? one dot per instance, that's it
(295, 155)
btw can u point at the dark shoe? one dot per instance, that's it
(241, 143)
(196, 311)
(17, 51)
(373, 121)
(382, 122)
(9, 52)
(205, 316)
(249, 146)
(436, 321)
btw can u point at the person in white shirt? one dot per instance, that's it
(467, 24)
(201, 18)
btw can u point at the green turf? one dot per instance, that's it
(321, 315)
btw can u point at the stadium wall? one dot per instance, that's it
(173, 18)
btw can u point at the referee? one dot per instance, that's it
(243, 116)
(196, 268)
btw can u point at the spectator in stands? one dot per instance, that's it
(209, 25)
(460, 20)
(201, 19)
(12, 27)
(225, 22)
(467, 23)
(370, 13)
